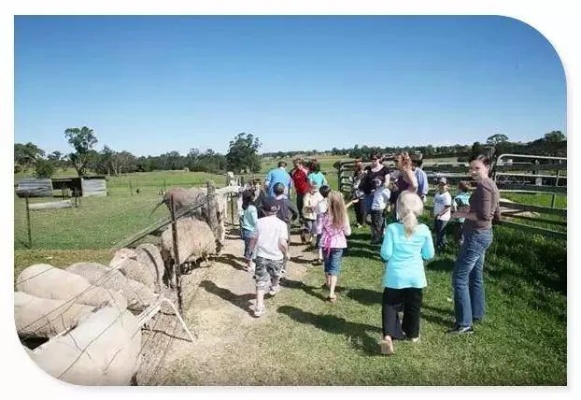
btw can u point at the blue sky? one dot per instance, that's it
(153, 84)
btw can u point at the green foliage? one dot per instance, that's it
(82, 139)
(44, 168)
(243, 154)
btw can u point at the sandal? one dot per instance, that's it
(331, 299)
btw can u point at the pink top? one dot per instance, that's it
(334, 238)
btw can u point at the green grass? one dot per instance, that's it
(306, 341)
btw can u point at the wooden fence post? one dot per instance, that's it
(176, 265)
(28, 222)
(210, 206)
(130, 188)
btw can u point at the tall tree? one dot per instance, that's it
(82, 139)
(243, 154)
(555, 137)
(496, 139)
(25, 155)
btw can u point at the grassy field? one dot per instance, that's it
(523, 340)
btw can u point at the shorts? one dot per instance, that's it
(266, 271)
(333, 261)
(247, 236)
(310, 226)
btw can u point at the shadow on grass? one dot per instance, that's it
(357, 334)
(314, 291)
(440, 316)
(365, 296)
(240, 301)
(441, 264)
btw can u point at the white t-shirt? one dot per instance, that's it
(441, 200)
(321, 207)
(270, 232)
(380, 199)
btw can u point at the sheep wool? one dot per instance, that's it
(46, 281)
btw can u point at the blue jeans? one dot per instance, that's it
(333, 261)
(247, 235)
(467, 278)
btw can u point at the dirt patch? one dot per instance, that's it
(218, 301)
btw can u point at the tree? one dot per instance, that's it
(44, 168)
(555, 137)
(82, 139)
(496, 139)
(25, 155)
(243, 154)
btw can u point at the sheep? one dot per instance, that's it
(102, 350)
(46, 281)
(45, 318)
(143, 264)
(183, 198)
(195, 241)
(137, 294)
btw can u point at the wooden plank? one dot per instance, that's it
(532, 188)
(535, 219)
(530, 167)
(51, 205)
(534, 230)
(527, 207)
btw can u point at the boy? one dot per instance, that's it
(270, 244)
(287, 211)
(381, 197)
(442, 212)
(461, 200)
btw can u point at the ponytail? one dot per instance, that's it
(409, 207)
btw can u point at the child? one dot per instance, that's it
(320, 211)
(461, 200)
(335, 227)
(248, 226)
(381, 197)
(311, 199)
(287, 212)
(405, 245)
(270, 245)
(442, 212)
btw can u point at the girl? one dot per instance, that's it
(248, 226)
(320, 211)
(335, 227)
(312, 198)
(405, 245)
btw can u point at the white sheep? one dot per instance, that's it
(137, 294)
(143, 264)
(102, 350)
(196, 241)
(36, 317)
(46, 281)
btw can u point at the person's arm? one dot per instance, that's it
(283, 241)
(253, 239)
(428, 247)
(347, 227)
(410, 177)
(387, 246)
(253, 216)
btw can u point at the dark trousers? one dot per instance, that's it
(300, 204)
(360, 212)
(440, 228)
(394, 300)
(376, 226)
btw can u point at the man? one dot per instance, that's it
(271, 249)
(278, 175)
(301, 184)
(421, 177)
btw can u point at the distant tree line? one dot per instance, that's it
(243, 154)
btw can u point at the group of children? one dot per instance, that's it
(405, 245)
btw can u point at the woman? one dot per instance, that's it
(406, 179)
(376, 170)
(316, 175)
(467, 278)
(357, 193)
(406, 244)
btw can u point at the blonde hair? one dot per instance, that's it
(337, 210)
(409, 208)
(403, 160)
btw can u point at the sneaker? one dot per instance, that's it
(414, 340)
(274, 290)
(259, 312)
(461, 330)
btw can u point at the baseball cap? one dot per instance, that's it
(443, 180)
(269, 204)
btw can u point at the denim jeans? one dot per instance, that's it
(247, 236)
(467, 278)
(332, 261)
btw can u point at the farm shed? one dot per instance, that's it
(34, 188)
(87, 186)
